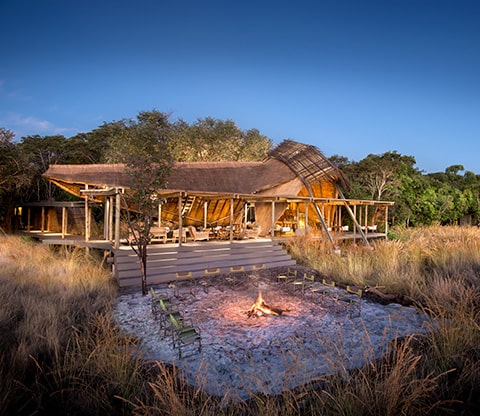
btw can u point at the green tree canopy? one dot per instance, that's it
(211, 139)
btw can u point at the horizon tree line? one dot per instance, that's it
(420, 199)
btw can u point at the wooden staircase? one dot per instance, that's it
(168, 261)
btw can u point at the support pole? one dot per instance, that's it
(205, 213)
(64, 221)
(354, 218)
(117, 218)
(28, 219)
(340, 225)
(180, 221)
(87, 217)
(110, 218)
(273, 220)
(306, 217)
(231, 219)
(366, 218)
(355, 224)
(386, 222)
(42, 226)
(106, 218)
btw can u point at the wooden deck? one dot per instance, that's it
(169, 262)
(191, 260)
(56, 239)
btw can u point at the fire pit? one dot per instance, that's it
(260, 308)
(260, 348)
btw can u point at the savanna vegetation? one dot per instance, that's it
(420, 199)
(63, 353)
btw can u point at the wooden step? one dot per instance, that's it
(165, 261)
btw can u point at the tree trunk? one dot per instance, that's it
(143, 260)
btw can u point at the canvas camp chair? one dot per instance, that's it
(236, 276)
(306, 283)
(155, 302)
(208, 278)
(183, 280)
(162, 306)
(261, 269)
(287, 277)
(185, 335)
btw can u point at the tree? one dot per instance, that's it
(143, 146)
(42, 152)
(210, 139)
(13, 176)
(379, 174)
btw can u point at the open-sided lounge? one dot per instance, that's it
(296, 190)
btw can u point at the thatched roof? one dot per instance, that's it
(289, 162)
(308, 163)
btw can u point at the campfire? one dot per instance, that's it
(260, 308)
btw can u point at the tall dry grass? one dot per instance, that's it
(60, 349)
(439, 269)
(61, 352)
(404, 265)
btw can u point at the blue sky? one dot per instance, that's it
(350, 77)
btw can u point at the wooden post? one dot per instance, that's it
(28, 218)
(306, 217)
(106, 218)
(110, 218)
(386, 222)
(231, 219)
(117, 218)
(273, 219)
(180, 221)
(64, 221)
(42, 225)
(297, 215)
(340, 218)
(323, 212)
(160, 214)
(354, 225)
(87, 217)
(366, 218)
(205, 213)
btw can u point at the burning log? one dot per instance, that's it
(260, 308)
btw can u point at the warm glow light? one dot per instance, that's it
(259, 300)
(260, 308)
